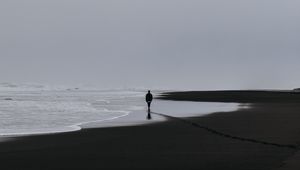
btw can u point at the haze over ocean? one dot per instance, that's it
(170, 44)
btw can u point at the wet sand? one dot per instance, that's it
(172, 144)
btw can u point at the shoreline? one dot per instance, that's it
(118, 121)
(75, 127)
(131, 118)
(133, 147)
(168, 144)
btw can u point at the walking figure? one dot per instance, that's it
(149, 99)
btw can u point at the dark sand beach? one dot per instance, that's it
(263, 137)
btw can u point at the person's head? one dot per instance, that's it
(148, 91)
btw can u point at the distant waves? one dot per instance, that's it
(35, 112)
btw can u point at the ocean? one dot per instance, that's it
(34, 109)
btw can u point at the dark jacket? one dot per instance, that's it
(149, 97)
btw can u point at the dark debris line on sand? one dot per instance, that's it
(197, 125)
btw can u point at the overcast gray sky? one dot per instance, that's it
(175, 44)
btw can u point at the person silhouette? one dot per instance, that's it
(149, 99)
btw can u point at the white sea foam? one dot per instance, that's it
(38, 109)
(37, 112)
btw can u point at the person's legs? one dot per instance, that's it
(149, 115)
(149, 112)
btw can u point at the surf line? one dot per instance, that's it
(216, 132)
